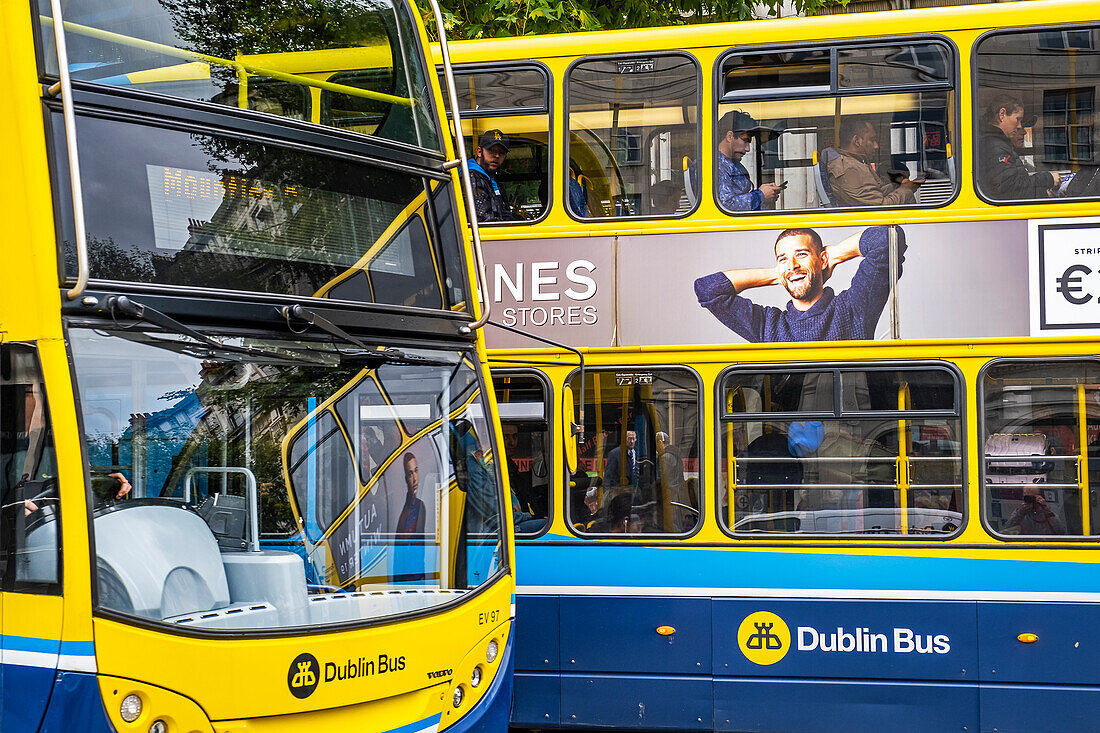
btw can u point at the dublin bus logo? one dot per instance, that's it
(303, 675)
(764, 638)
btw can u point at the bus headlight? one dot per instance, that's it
(475, 677)
(491, 651)
(458, 696)
(130, 708)
(158, 726)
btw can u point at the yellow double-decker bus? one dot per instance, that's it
(836, 278)
(248, 455)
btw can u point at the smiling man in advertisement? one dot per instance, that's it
(802, 265)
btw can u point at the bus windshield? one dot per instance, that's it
(283, 483)
(274, 58)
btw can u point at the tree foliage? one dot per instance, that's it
(499, 18)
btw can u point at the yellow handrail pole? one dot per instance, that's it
(903, 458)
(242, 89)
(624, 404)
(731, 467)
(1083, 459)
(597, 393)
(238, 66)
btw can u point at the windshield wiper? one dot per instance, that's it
(378, 354)
(120, 305)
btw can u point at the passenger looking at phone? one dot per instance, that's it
(1001, 172)
(852, 173)
(736, 191)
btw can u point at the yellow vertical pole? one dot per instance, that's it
(597, 391)
(1083, 459)
(242, 88)
(731, 467)
(902, 470)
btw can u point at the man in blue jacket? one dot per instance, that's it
(490, 201)
(736, 191)
(815, 312)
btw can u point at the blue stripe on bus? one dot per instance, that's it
(47, 646)
(418, 725)
(625, 566)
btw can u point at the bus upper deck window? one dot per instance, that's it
(841, 127)
(132, 48)
(1035, 105)
(633, 141)
(514, 99)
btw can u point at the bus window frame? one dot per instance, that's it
(721, 417)
(700, 425)
(700, 101)
(1063, 539)
(835, 92)
(32, 587)
(438, 320)
(547, 109)
(976, 120)
(551, 458)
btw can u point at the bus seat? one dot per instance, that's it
(821, 176)
(689, 182)
(158, 560)
(1023, 445)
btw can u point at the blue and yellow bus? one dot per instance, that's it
(249, 477)
(836, 281)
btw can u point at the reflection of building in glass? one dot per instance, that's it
(1055, 74)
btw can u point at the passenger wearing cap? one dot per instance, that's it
(490, 201)
(1002, 173)
(736, 191)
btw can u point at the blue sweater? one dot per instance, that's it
(735, 189)
(851, 315)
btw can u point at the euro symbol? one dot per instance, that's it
(1070, 283)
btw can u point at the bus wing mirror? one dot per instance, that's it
(569, 430)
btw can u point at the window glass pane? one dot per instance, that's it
(524, 176)
(932, 389)
(522, 401)
(791, 71)
(483, 92)
(515, 103)
(30, 512)
(640, 461)
(835, 152)
(366, 487)
(150, 45)
(886, 474)
(1041, 427)
(633, 135)
(1036, 94)
(199, 210)
(880, 66)
(748, 392)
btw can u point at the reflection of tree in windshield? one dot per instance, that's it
(231, 28)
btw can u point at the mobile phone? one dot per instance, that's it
(784, 184)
